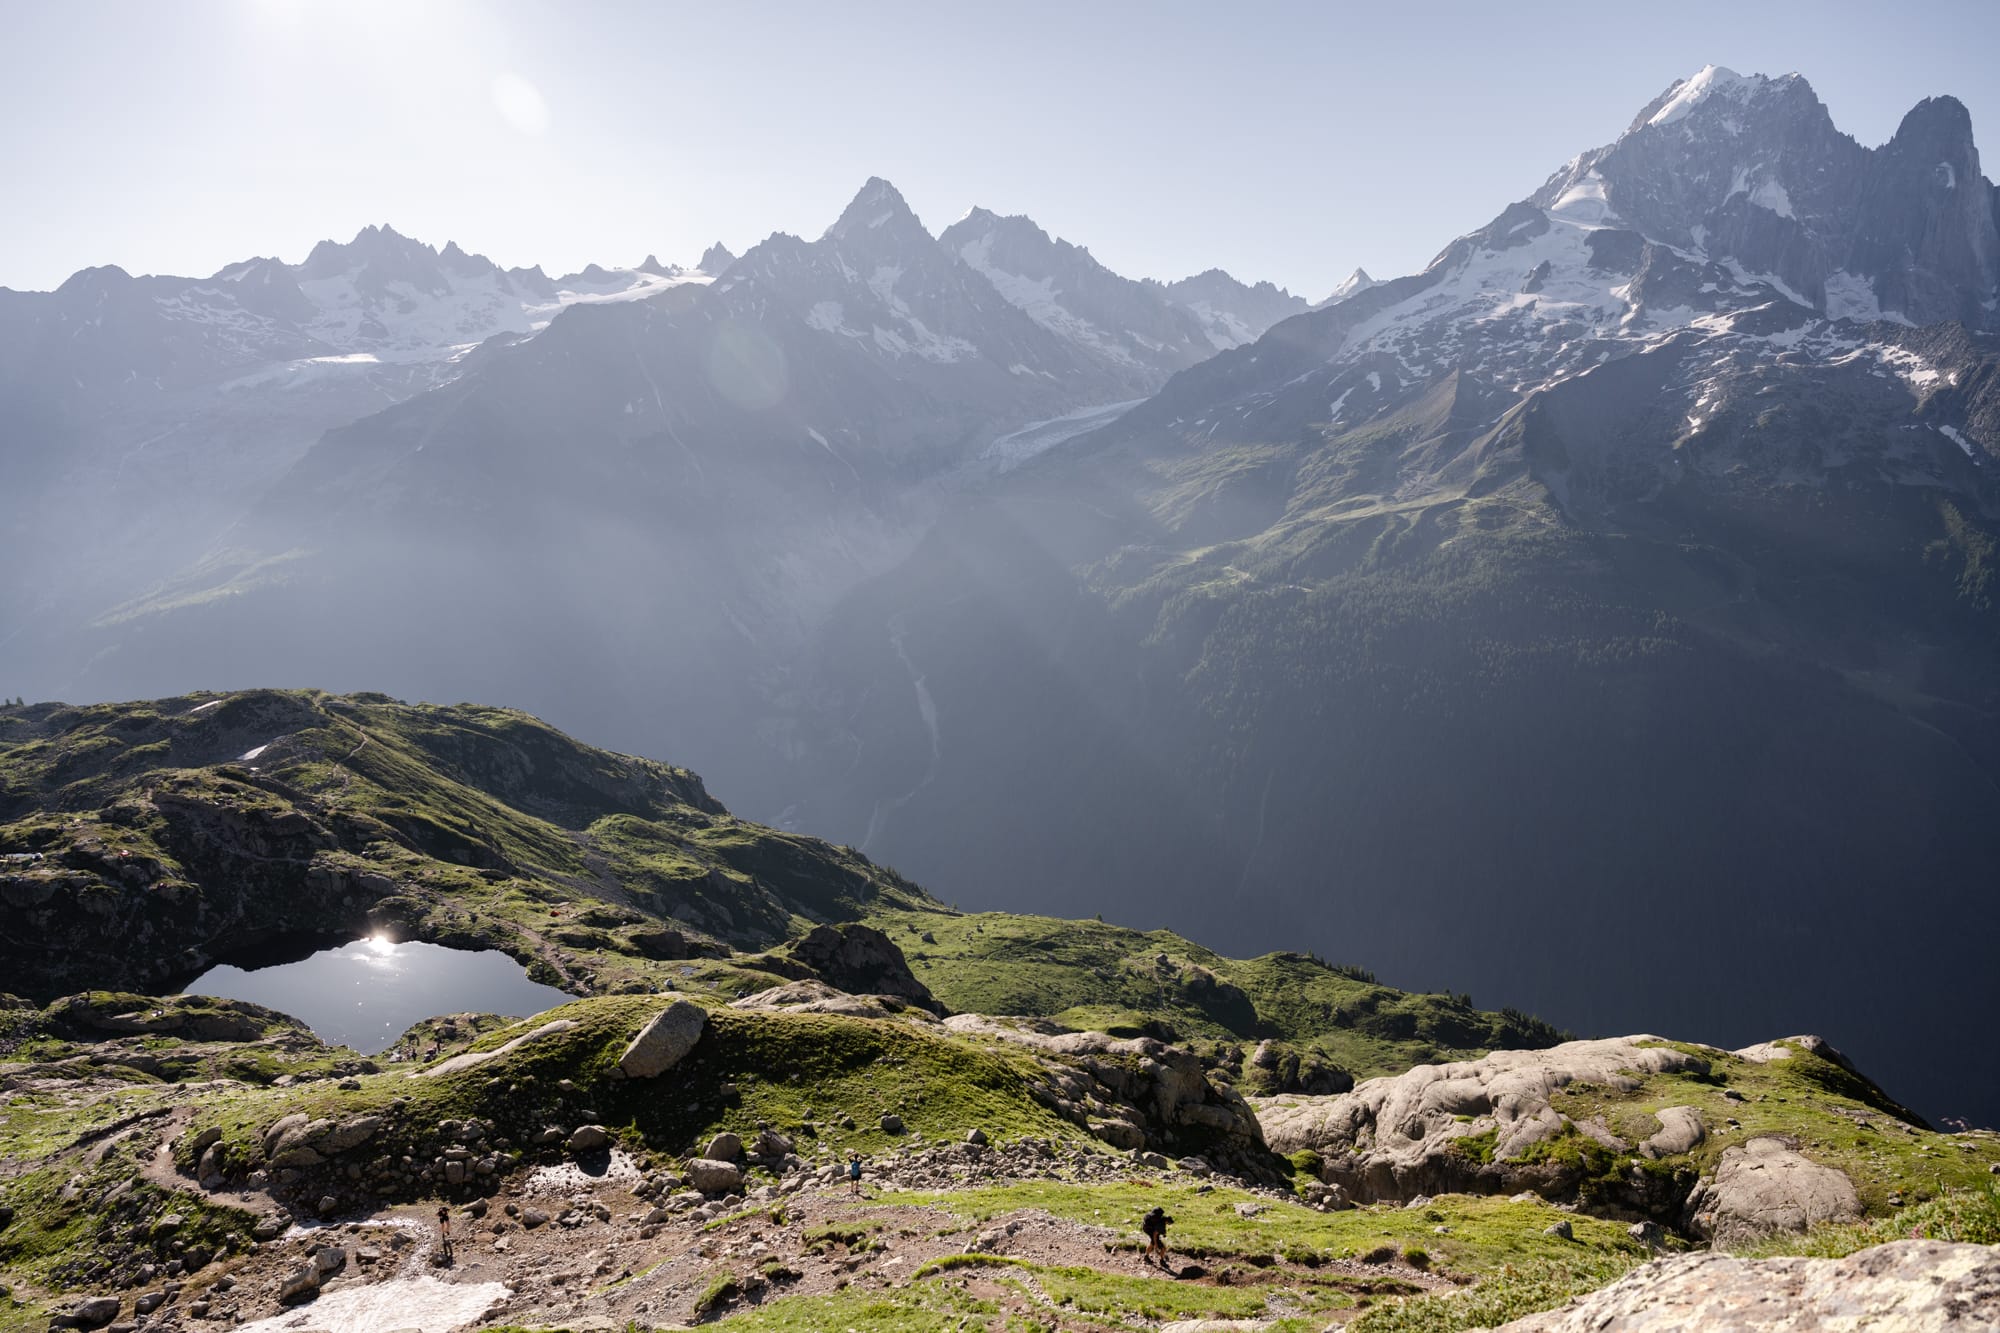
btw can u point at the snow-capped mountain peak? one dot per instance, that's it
(1355, 282)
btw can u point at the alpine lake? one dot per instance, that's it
(366, 993)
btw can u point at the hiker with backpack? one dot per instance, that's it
(854, 1174)
(1155, 1225)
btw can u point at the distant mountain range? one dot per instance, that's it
(1602, 618)
(394, 457)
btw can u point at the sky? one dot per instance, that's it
(1282, 141)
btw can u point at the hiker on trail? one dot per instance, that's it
(854, 1173)
(444, 1232)
(1155, 1225)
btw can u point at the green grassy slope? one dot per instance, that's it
(1090, 975)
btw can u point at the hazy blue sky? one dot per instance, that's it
(1288, 141)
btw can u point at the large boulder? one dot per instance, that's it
(713, 1177)
(1907, 1286)
(665, 1041)
(860, 960)
(1765, 1186)
(588, 1139)
(94, 1312)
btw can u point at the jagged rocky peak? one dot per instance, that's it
(878, 215)
(715, 260)
(459, 263)
(377, 256)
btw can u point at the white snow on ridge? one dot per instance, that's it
(403, 323)
(1957, 437)
(1711, 81)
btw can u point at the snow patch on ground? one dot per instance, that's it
(1957, 437)
(422, 1303)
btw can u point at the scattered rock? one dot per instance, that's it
(1560, 1229)
(976, 1137)
(724, 1147)
(892, 1124)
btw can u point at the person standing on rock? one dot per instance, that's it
(854, 1174)
(444, 1233)
(1155, 1225)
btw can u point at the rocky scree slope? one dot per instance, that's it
(1629, 565)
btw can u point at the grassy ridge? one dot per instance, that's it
(1090, 975)
(207, 822)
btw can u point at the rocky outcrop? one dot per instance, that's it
(553, 1028)
(1414, 1133)
(1766, 1186)
(816, 997)
(861, 961)
(1151, 1095)
(662, 1043)
(1908, 1286)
